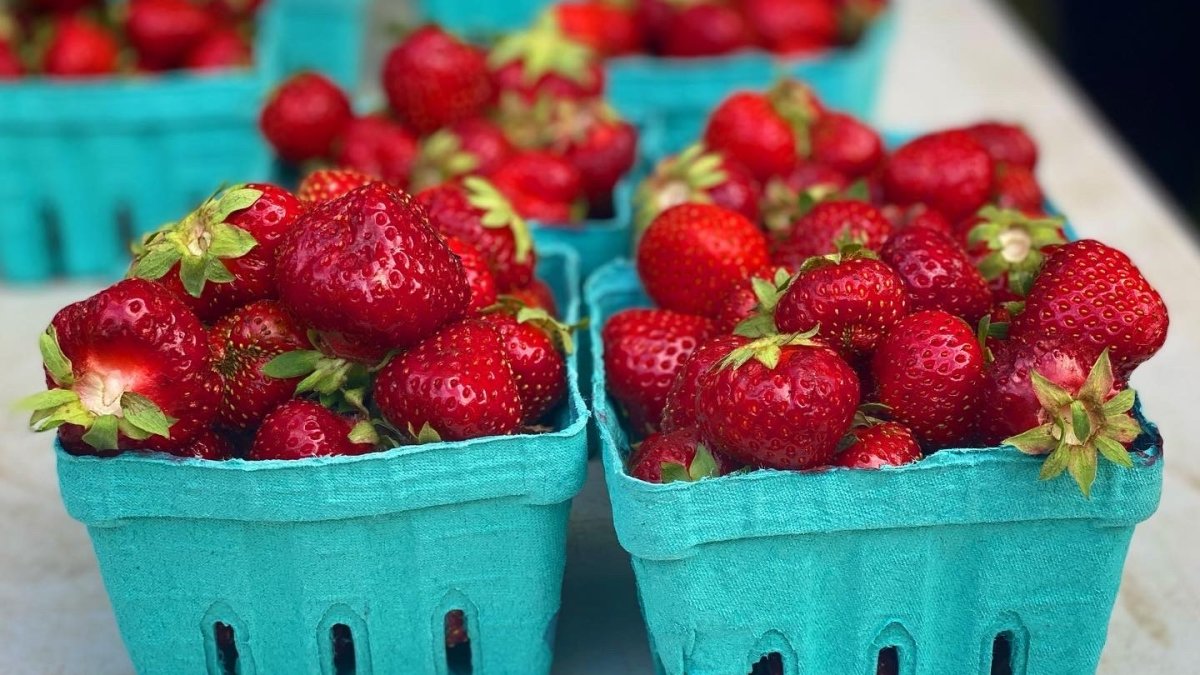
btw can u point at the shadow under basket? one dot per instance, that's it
(346, 564)
(962, 563)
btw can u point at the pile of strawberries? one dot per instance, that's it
(86, 38)
(529, 116)
(823, 302)
(697, 28)
(266, 326)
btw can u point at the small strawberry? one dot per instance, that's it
(741, 303)
(457, 384)
(793, 26)
(377, 146)
(693, 254)
(479, 275)
(455, 628)
(542, 62)
(542, 186)
(322, 185)
(236, 9)
(705, 29)
(1009, 249)
(696, 175)
(164, 32)
(846, 145)
(432, 80)
(601, 146)
(746, 128)
(829, 223)
(303, 117)
(537, 364)
(885, 444)
(300, 429)
(644, 349)
(679, 408)
(79, 48)
(1005, 143)
(472, 146)
(1015, 187)
(929, 371)
(538, 295)
(220, 49)
(607, 28)
(937, 273)
(207, 444)
(948, 171)
(676, 456)
(917, 216)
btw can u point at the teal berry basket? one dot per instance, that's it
(313, 564)
(481, 19)
(961, 563)
(596, 241)
(327, 36)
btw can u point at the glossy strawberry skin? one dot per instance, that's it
(458, 382)
(846, 145)
(323, 185)
(608, 29)
(300, 429)
(679, 410)
(433, 80)
(737, 306)
(948, 171)
(80, 48)
(705, 29)
(479, 275)
(331, 271)
(1093, 297)
(603, 156)
(677, 447)
(644, 349)
(377, 146)
(938, 274)
(1005, 143)
(207, 444)
(917, 216)
(537, 294)
(793, 26)
(242, 343)
(750, 412)
(929, 370)
(746, 128)
(886, 444)
(1016, 188)
(540, 371)
(304, 116)
(818, 231)
(541, 186)
(224, 48)
(1009, 404)
(693, 254)
(163, 32)
(485, 141)
(452, 214)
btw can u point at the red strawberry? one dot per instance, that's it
(917, 216)
(603, 149)
(1005, 143)
(644, 349)
(10, 63)
(207, 444)
(846, 145)
(1015, 187)
(608, 29)
(1010, 405)
(948, 171)
(222, 255)
(473, 146)
(746, 128)
(820, 230)
(458, 383)
(738, 305)
(779, 402)
(304, 116)
(79, 48)
(242, 343)
(537, 365)
(323, 185)
(793, 26)
(300, 429)
(455, 628)
(676, 456)
(220, 49)
(127, 368)
(369, 269)
(163, 32)
(538, 295)
(236, 9)
(937, 274)
(697, 175)
(474, 211)
(541, 186)
(929, 371)
(693, 254)
(1009, 249)
(705, 29)
(542, 62)
(432, 80)
(679, 409)
(377, 146)
(886, 444)
(1094, 297)
(479, 275)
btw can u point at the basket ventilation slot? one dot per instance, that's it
(341, 640)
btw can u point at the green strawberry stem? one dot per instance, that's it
(498, 213)
(1015, 242)
(767, 350)
(703, 465)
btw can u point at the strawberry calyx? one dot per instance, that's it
(1015, 244)
(440, 158)
(767, 350)
(560, 333)
(340, 384)
(686, 177)
(1081, 426)
(198, 243)
(795, 103)
(864, 418)
(498, 213)
(703, 465)
(990, 330)
(542, 50)
(849, 248)
(526, 124)
(768, 292)
(782, 205)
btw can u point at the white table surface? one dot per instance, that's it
(955, 61)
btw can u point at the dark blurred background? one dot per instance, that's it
(1139, 61)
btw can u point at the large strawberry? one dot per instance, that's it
(676, 456)
(368, 269)
(885, 444)
(432, 79)
(793, 26)
(693, 254)
(747, 129)
(377, 146)
(1093, 296)
(679, 408)
(1005, 143)
(542, 186)
(937, 273)
(221, 256)
(846, 145)
(471, 146)
(929, 371)
(829, 224)
(304, 116)
(163, 32)
(128, 368)
(1009, 249)
(705, 28)
(300, 429)
(479, 275)
(696, 175)
(608, 28)
(542, 62)
(457, 384)
(947, 170)
(79, 47)
(534, 356)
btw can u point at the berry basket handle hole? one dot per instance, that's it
(1002, 654)
(458, 643)
(769, 664)
(226, 652)
(341, 642)
(888, 661)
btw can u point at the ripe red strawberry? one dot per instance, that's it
(479, 275)
(1093, 296)
(937, 273)
(705, 29)
(793, 26)
(929, 371)
(207, 444)
(432, 80)
(820, 231)
(458, 383)
(537, 365)
(917, 216)
(1009, 248)
(542, 62)
(602, 148)
(538, 295)
(1010, 405)
(1005, 143)
(1015, 187)
(747, 129)
(474, 210)
(948, 171)
(220, 49)
(236, 9)
(304, 116)
(474, 146)
(11, 67)
(693, 254)
(643, 351)
(322, 185)
(369, 269)
(299, 429)
(607, 28)
(679, 408)
(79, 48)
(886, 444)
(222, 255)
(846, 145)
(377, 146)
(740, 302)
(242, 343)
(676, 456)
(128, 369)
(542, 186)
(455, 628)
(696, 175)
(778, 402)
(163, 32)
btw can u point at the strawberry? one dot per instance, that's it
(886, 444)
(128, 369)
(543, 63)
(705, 29)
(474, 210)
(11, 67)
(929, 371)
(369, 270)
(242, 343)
(473, 146)
(644, 349)
(322, 185)
(377, 146)
(746, 128)
(937, 273)
(602, 149)
(676, 456)
(679, 408)
(455, 629)
(780, 402)
(739, 304)
(1094, 297)
(230, 241)
(432, 80)
(917, 216)
(1015, 187)
(820, 231)
(457, 384)
(846, 145)
(1005, 143)
(537, 295)
(537, 365)
(164, 32)
(607, 28)
(541, 186)
(207, 444)
(1010, 405)
(696, 175)
(300, 429)
(1009, 249)
(793, 26)
(693, 254)
(479, 275)
(235, 9)
(220, 49)
(79, 48)
(303, 117)
(948, 171)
